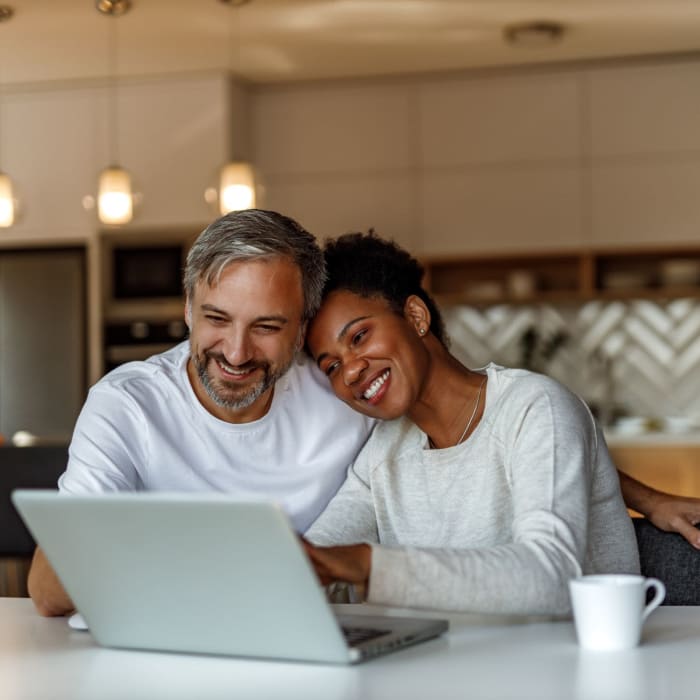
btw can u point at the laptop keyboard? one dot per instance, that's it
(357, 635)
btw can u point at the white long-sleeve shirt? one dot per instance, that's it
(499, 523)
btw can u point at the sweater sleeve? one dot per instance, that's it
(549, 446)
(350, 517)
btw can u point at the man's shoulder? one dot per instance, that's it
(307, 391)
(152, 375)
(304, 379)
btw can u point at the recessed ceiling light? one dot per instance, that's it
(534, 34)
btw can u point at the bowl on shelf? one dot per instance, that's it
(626, 279)
(679, 272)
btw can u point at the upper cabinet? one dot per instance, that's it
(501, 162)
(172, 135)
(645, 153)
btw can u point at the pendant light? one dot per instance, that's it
(114, 198)
(237, 177)
(7, 197)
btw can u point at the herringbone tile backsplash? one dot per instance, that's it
(635, 357)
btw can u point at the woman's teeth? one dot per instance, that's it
(375, 385)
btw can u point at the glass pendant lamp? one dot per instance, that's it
(114, 195)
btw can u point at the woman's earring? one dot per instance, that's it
(421, 331)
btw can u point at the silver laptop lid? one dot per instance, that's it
(182, 572)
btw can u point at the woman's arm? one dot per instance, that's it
(668, 512)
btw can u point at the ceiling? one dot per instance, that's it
(290, 40)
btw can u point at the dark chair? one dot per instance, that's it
(670, 558)
(25, 467)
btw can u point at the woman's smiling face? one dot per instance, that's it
(375, 359)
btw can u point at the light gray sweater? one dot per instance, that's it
(499, 523)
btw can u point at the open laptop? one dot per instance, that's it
(202, 574)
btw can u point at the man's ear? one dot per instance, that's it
(188, 314)
(302, 336)
(417, 314)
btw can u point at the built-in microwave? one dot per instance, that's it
(142, 274)
(147, 272)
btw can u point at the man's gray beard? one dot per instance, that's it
(236, 404)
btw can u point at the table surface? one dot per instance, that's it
(480, 657)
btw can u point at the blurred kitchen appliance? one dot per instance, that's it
(143, 303)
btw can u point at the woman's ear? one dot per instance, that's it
(417, 314)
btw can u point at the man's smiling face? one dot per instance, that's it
(244, 331)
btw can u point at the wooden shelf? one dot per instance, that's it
(565, 276)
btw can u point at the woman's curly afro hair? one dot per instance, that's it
(370, 266)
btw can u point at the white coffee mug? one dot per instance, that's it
(609, 609)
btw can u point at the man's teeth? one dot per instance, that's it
(232, 370)
(375, 386)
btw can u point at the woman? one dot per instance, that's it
(479, 490)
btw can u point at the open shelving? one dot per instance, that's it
(561, 276)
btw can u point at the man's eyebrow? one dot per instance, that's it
(340, 336)
(211, 307)
(274, 318)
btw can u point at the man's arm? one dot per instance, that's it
(668, 512)
(45, 589)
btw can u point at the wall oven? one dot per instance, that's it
(143, 303)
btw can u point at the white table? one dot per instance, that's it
(479, 658)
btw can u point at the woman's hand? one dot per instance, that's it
(351, 563)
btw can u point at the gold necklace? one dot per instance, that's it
(471, 418)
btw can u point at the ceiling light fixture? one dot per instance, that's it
(536, 34)
(237, 187)
(7, 196)
(114, 199)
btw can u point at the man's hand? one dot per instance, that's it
(45, 589)
(667, 512)
(677, 514)
(351, 563)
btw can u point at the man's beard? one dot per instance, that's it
(229, 395)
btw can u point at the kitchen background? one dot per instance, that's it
(535, 154)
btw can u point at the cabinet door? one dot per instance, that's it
(42, 341)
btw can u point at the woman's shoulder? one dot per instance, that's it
(518, 389)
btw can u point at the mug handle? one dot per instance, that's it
(659, 595)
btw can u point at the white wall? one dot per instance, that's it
(550, 158)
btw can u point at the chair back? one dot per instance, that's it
(670, 558)
(25, 467)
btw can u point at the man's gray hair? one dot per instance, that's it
(254, 234)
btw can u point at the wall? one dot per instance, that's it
(546, 158)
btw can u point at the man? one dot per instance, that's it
(236, 409)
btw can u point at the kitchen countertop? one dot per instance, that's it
(652, 438)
